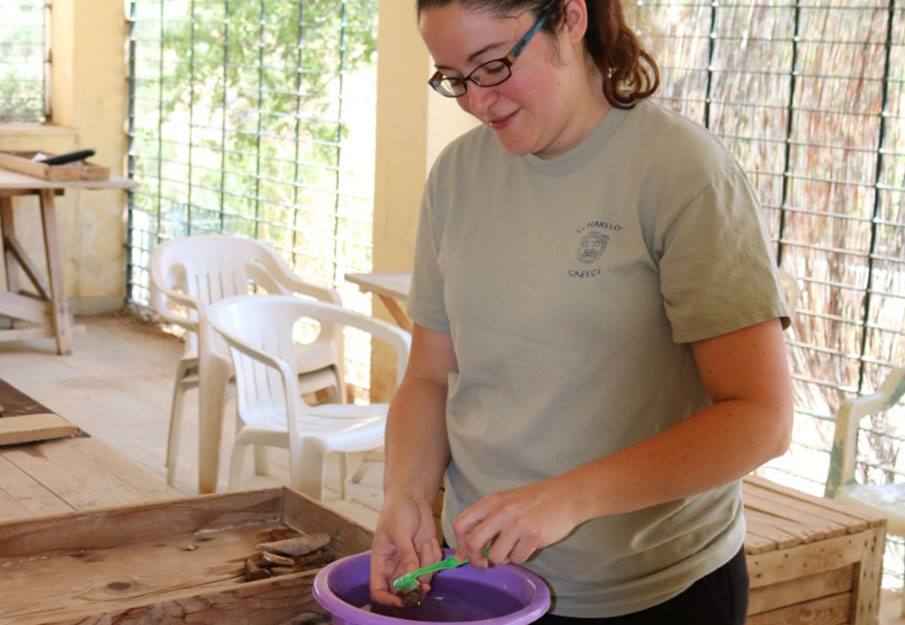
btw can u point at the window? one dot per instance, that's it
(24, 61)
(810, 97)
(255, 118)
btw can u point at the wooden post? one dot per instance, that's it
(59, 309)
(9, 234)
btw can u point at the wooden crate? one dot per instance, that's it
(81, 170)
(811, 560)
(177, 561)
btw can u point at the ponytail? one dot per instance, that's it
(629, 71)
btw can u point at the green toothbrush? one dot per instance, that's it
(409, 582)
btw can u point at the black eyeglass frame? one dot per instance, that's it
(436, 81)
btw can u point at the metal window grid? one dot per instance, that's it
(256, 118)
(24, 61)
(810, 97)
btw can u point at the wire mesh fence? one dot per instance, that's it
(24, 61)
(255, 118)
(810, 97)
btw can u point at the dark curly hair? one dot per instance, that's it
(629, 71)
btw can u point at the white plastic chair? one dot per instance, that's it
(884, 500)
(259, 332)
(187, 276)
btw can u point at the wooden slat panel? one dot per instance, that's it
(785, 564)
(126, 525)
(151, 485)
(87, 471)
(836, 506)
(832, 610)
(784, 533)
(28, 492)
(11, 508)
(794, 591)
(80, 495)
(868, 578)
(823, 520)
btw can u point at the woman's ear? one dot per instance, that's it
(575, 18)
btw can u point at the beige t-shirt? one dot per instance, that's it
(571, 288)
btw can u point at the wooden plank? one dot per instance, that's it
(868, 579)
(86, 471)
(830, 504)
(22, 163)
(785, 533)
(810, 526)
(280, 601)
(172, 562)
(11, 508)
(833, 610)
(151, 485)
(31, 494)
(25, 262)
(26, 308)
(8, 230)
(15, 183)
(125, 525)
(32, 460)
(34, 427)
(783, 565)
(799, 590)
(59, 309)
(793, 506)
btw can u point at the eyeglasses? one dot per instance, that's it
(489, 74)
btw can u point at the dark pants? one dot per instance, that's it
(720, 598)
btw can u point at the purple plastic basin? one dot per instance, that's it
(500, 595)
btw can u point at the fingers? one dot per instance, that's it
(430, 552)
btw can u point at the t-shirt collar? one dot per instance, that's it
(581, 153)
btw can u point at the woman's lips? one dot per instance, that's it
(501, 122)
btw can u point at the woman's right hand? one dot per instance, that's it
(405, 539)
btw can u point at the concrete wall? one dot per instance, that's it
(413, 126)
(88, 110)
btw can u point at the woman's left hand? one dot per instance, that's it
(519, 521)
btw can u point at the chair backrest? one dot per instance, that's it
(845, 439)
(208, 268)
(259, 332)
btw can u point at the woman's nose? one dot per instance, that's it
(477, 100)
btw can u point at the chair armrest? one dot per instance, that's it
(280, 274)
(159, 295)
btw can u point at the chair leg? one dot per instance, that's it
(308, 473)
(236, 464)
(213, 382)
(260, 459)
(175, 430)
(343, 474)
(902, 608)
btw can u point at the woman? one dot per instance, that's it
(597, 356)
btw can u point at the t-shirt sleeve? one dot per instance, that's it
(717, 272)
(426, 304)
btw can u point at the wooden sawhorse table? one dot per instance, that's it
(44, 312)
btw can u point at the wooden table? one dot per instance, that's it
(68, 474)
(391, 287)
(44, 312)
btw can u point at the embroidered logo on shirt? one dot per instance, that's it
(592, 245)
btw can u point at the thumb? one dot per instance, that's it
(408, 555)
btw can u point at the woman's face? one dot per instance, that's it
(534, 111)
